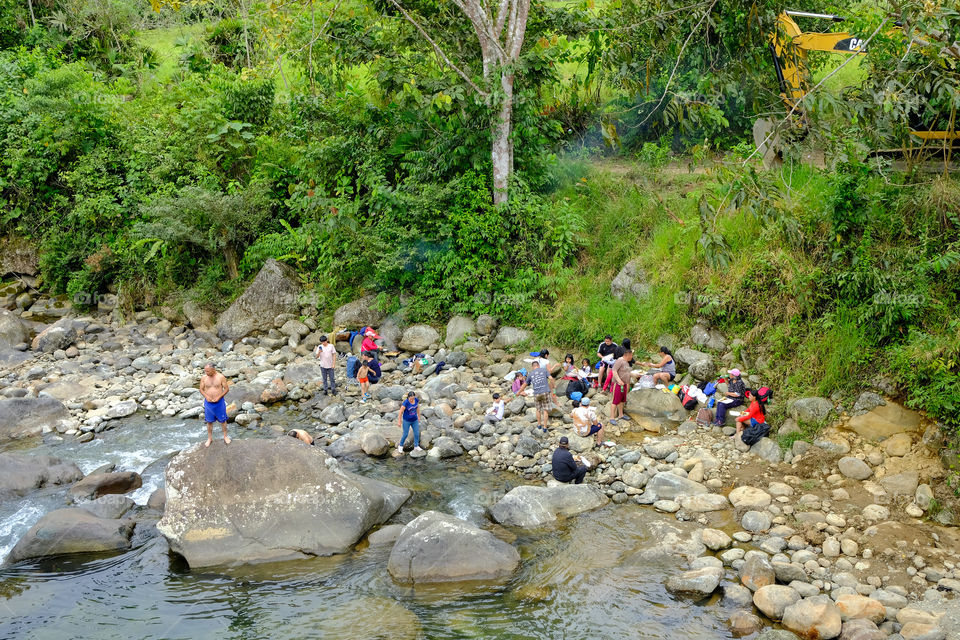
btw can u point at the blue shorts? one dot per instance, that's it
(215, 411)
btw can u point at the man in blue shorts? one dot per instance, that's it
(213, 387)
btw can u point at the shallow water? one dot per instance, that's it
(571, 582)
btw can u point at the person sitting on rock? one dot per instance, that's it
(302, 436)
(565, 468)
(495, 412)
(374, 372)
(736, 391)
(213, 387)
(569, 366)
(585, 421)
(519, 380)
(369, 342)
(667, 366)
(756, 413)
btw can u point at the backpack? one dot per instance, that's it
(689, 399)
(764, 394)
(753, 433)
(710, 389)
(704, 417)
(576, 396)
(353, 365)
(575, 387)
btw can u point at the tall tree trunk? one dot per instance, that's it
(501, 149)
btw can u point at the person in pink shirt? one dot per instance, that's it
(327, 355)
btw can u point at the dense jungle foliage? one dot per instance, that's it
(167, 151)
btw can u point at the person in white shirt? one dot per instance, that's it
(585, 421)
(327, 354)
(495, 412)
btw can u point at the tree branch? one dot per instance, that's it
(438, 50)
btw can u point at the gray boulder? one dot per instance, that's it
(509, 337)
(359, 313)
(456, 359)
(12, 331)
(101, 484)
(653, 403)
(419, 337)
(109, 507)
(19, 475)
(275, 290)
(25, 417)
(66, 531)
(301, 373)
(685, 357)
(767, 449)
(436, 547)
(374, 444)
(630, 282)
(526, 447)
(486, 324)
(811, 410)
(530, 506)
(334, 414)
(854, 468)
(459, 328)
(901, 484)
(772, 599)
(703, 336)
(668, 486)
(59, 335)
(703, 370)
(446, 447)
(260, 500)
(699, 583)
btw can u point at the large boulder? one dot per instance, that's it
(486, 324)
(509, 337)
(359, 313)
(258, 500)
(59, 335)
(18, 256)
(12, 331)
(811, 410)
(436, 547)
(24, 417)
(773, 599)
(419, 337)
(275, 290)
(102, 484)
(653, 403)
(698, 583)
(815, 618)
(885, 421)
(530, 506)
(630, 282)
(686, 357)
(72, 531)
(669, 486)
(459, 328)
(854, 468)
(20, 475)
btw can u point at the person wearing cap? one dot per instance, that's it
(736, 391)
(409, 419)
(585, 420)
(495, 412)
(326, 353)
(368, 344)
(302, 436)
(565, 468)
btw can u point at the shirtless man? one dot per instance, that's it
(213, 386)
(302, 436)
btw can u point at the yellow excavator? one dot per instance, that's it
(790, 46)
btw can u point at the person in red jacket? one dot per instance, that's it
(756, 412)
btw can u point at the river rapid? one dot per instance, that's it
(573, 582)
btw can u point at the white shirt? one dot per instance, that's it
(583, 417)
(496, 410)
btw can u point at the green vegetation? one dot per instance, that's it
(168, 155)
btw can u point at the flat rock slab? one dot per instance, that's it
(19, 475)
(884, 421)
(530, 506)
(25, 417)
(65, 531)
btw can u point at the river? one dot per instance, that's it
(572, 582)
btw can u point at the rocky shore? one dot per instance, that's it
(851, 535)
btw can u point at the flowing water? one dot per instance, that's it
(573, 581)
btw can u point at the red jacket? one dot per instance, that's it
(753, 412)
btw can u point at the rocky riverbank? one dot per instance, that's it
(839, 537)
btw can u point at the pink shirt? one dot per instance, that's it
(327, 355)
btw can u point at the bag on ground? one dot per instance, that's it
(754, 433)
(690, 399)
(710, 389)
(704, 416)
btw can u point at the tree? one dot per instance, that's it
(500, 27)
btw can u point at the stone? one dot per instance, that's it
(686, 357)
(436, 547)
(772, 599)
(110, 507)
(853, 607)
(358, 313)
(334, 414)
(123, 409)
(901, 484)
(815, 618)
(660, 449)
(767, 449)
(529, 506)
(21, 474)
(418, 338)
(860, 629)
(776, 634)
(898, 444)
(12, 331)
(788, 572)
(749, 498)
(630, 282)
(101, 484)
(373, 443)
(812, 410)
(867, 401)
(26, 417)
(757, 572)
(920, 631)
(743, 623)
(459, 328)
(715, 540)
(386, 534)
(885, 421)
(73, 530)
(854, 468)
(509, 337)
(59, 335)
(703, 370)
(486, 324)
(669, 486)
(704, 502)
(876, 512)
(755, 521)
(258, 500)
(924, 496)
(275, 290)
(698, 584)
(653, 403)
(446, 447)
(18, 255)
(157, 500)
